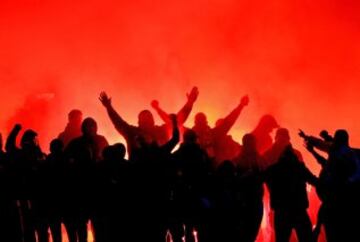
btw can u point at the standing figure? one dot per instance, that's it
(73, 127)
(82, 154)
(286, 181)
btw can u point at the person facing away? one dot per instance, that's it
(225, 203)
(151, 162)
(82, 154)
(49, 183)
(182, 115)
(190, 194)
(113, 210)
(250, 186)
(263, 131)
(282, 140)
(146, 130)
(54, 175)
(216, 141)
(341, 173)
(9, 217)
(286, 181)
(89, 146)
(25, 163)
(73, 127)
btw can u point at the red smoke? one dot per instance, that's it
(298, 60)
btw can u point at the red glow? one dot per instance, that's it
(298, 60)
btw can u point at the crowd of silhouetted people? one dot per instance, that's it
(195, 183)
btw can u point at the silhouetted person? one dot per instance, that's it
(182, 115)
(212, 139)
(320, 190)
(271, 156)
(25, 162)
(152, 165)
(282, 140)
(190, 194)
(224, 213)
(82, 153)
(262, 132)
(286, 180)
(9, 217)
(73, 127)
(146, 129)
(53, 176)
(340, 172)
(113, 206)
(251, 192)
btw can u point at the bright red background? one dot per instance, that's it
(298, 60)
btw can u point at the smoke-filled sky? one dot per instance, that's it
(298, 60)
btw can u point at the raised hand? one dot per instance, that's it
(155, 104)
(244, 100)
(302, 134)
(192, 96)
(17, 127)
(104, 99)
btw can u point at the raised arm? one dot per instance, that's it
(162, 114)
(320, 159)
(309, 177)
(315, 142)
(120, 124)
(185, 111)
(10, 145)
(225, 126)
(170, 145)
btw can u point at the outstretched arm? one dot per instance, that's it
(315, 142)
(225, 126)
(185, 111)
(170, 145)
(10, 145)
(120, 124)
(163, 115)
(309, 177)
(320, 159)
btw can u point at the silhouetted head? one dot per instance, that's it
(288, 155)
(29, 139)
(75, 117)
(89, 127)
(282, 136)
(56, 146)
(107, 153)
(146, 119)
(200, 119)
(249, 143)
(120, 150)
(190, 137)
(267, 123)
(326, 136)
(341, 138)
